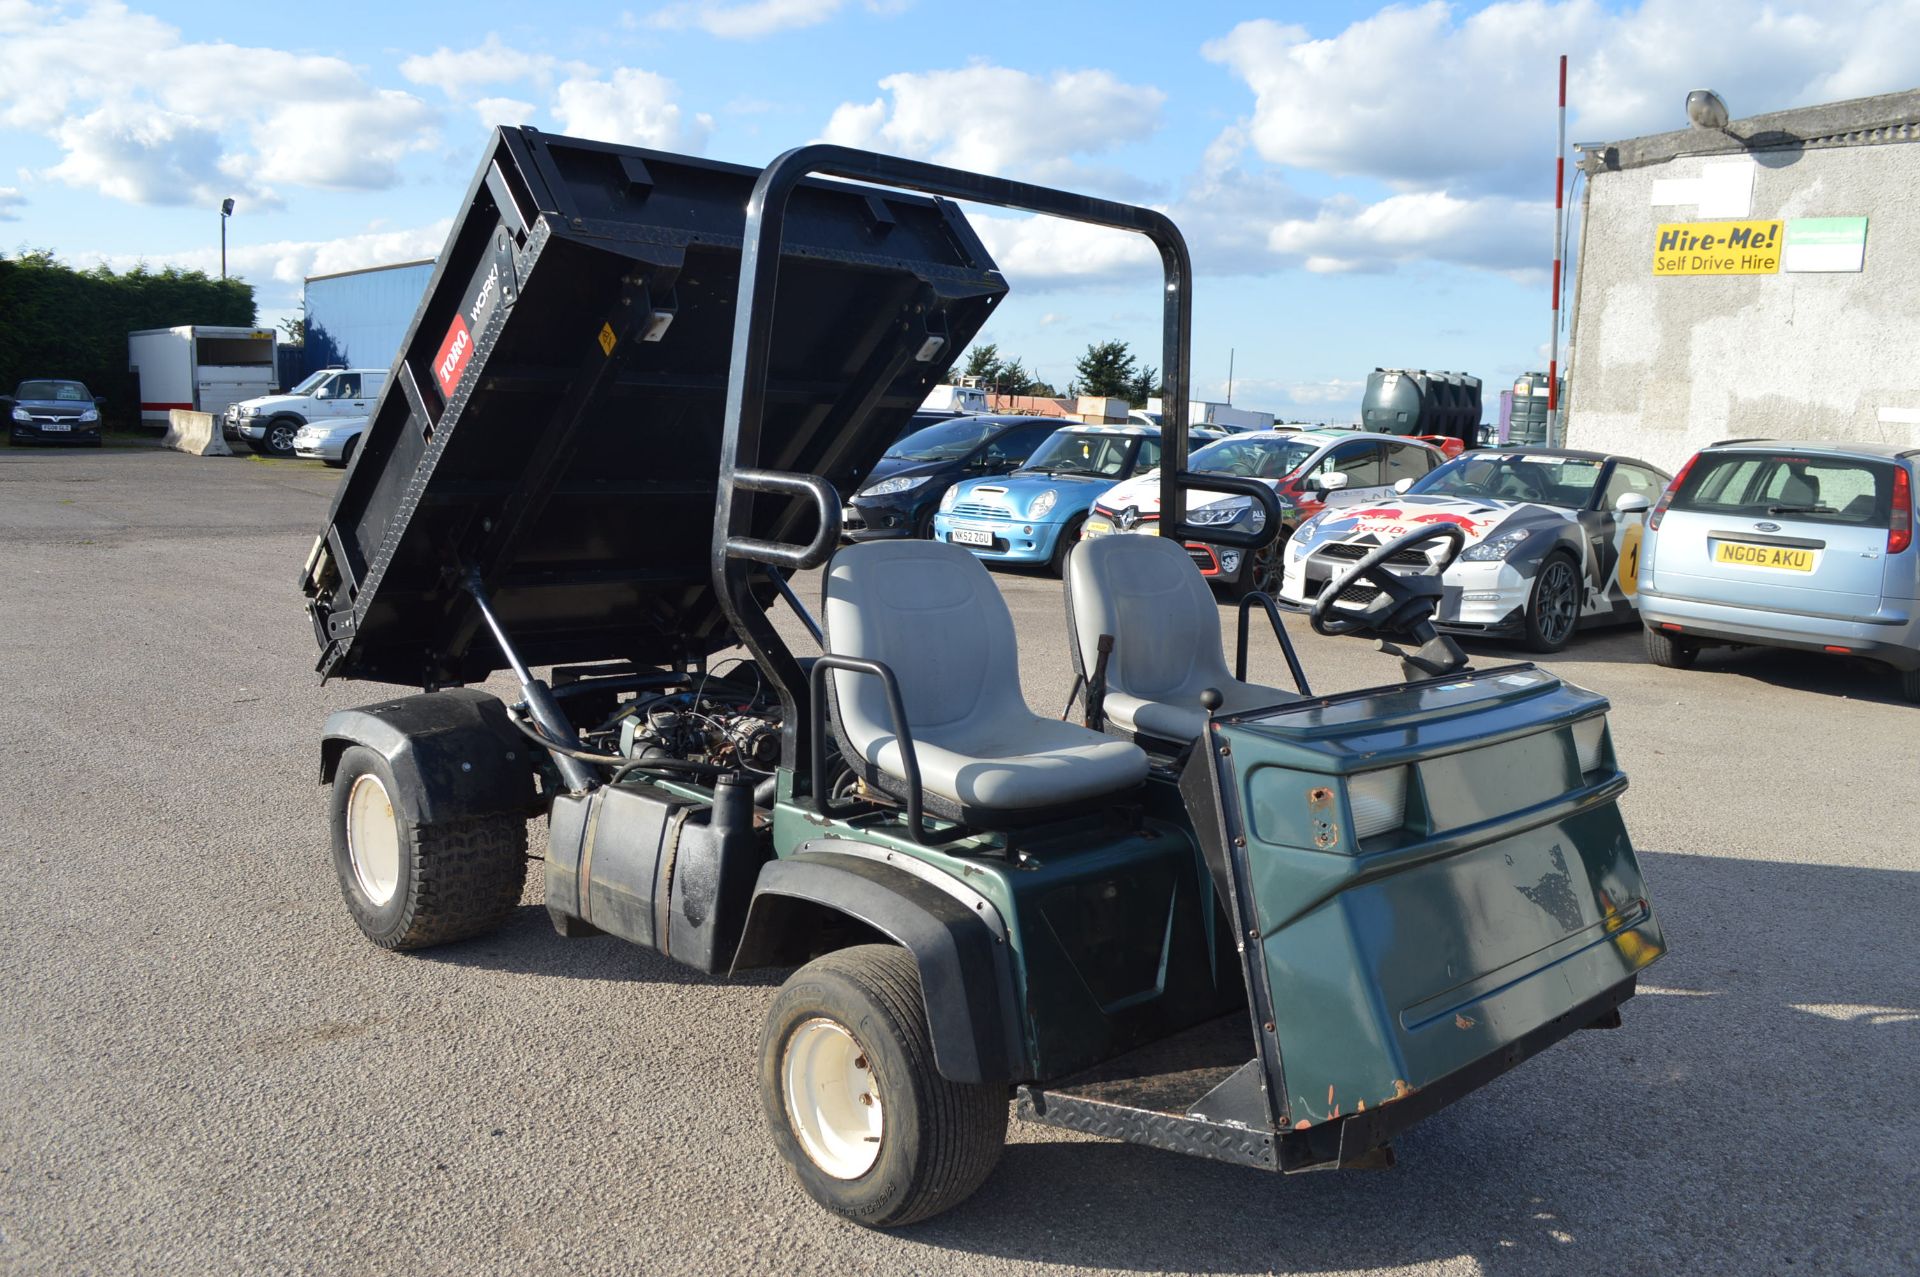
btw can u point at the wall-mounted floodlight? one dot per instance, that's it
(1706, 110)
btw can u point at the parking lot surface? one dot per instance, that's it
(205, 1069)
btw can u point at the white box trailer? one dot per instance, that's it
(199, 368)
(1205, 412)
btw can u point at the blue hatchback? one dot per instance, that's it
(1034, 514)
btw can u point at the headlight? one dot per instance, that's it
(1379, 801)
(951, 495)
(89, 416)
(1037, 509)
(887, 487)
(21, 414)
(1221, 513)
(244, 411)
(1497, 548)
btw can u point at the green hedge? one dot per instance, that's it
(56, 321)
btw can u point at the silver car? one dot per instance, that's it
(1787, 544)
(330, 441)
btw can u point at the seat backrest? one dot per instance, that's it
(1147, 593)
(929, 612)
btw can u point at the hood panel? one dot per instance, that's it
(1382, 521)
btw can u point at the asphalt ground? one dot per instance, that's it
(204, 1067)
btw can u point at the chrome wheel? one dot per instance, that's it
(280, 437)
(832, 1099)
(1556, 602)
(373, 839)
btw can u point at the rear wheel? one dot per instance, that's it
(868, 1125)
(1670, 650)
(1554, 610)
(409, 885)
(1910, 685)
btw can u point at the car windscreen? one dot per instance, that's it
(1844, 490)
(310, 381)
(1069, 452)
(1566, 482)
(948, 441)
(1253, 458)
(53, 391)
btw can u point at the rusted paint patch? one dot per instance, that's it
(1464, 1022)
(1401, 1090)
(1320, 809)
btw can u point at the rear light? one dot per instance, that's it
(1666, 498)
(1900, 527)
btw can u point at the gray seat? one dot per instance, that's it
(931, 614)
(1165, 624)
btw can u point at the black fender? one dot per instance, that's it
(956, 937)
(454, 754)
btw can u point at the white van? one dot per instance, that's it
(270, 422)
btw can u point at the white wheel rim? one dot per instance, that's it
(832, 1099)
(373, 839)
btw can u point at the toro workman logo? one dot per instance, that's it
(455, 351)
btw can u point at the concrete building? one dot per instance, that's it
(1757, 280)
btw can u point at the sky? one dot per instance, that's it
(1361, 186)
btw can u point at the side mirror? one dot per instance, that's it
(1333, 482)
(1632, 503)
(1401, 485)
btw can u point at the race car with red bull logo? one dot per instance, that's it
(1308, 470)
(1552, 542)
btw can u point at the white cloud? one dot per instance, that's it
(291, 262)
(508, 111)
(994, 119)
(1042, 252)
(1491, 232)
(1430, 97)
(744, 21)
(10, 199)
(631, 106)
(147, 117)
(458, 72)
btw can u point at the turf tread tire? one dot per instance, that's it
(459, 878)
(961, 1128)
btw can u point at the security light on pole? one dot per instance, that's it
(226, 211)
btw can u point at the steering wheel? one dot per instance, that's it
(1405, 603)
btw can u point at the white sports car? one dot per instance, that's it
(1553, 542)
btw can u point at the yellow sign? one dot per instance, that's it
(606, 339)
(1717, 248)
(1629, 574)
(1763, 556)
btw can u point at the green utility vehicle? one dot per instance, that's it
(1248, 923)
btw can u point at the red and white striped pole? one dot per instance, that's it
(1555, 436)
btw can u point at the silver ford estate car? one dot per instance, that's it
(1787, 544)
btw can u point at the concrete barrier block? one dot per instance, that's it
(195, 432)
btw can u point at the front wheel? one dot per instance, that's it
(278, 440)
(1554, 610)
(1069, 537)
(1264, 570)
(858, 1110)
(409, 885)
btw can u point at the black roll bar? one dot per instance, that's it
(1279, 631)
(748, 369)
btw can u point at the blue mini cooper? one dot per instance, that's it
(1034, 514)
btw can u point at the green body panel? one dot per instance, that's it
(1507, 895)
(1117, 940)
